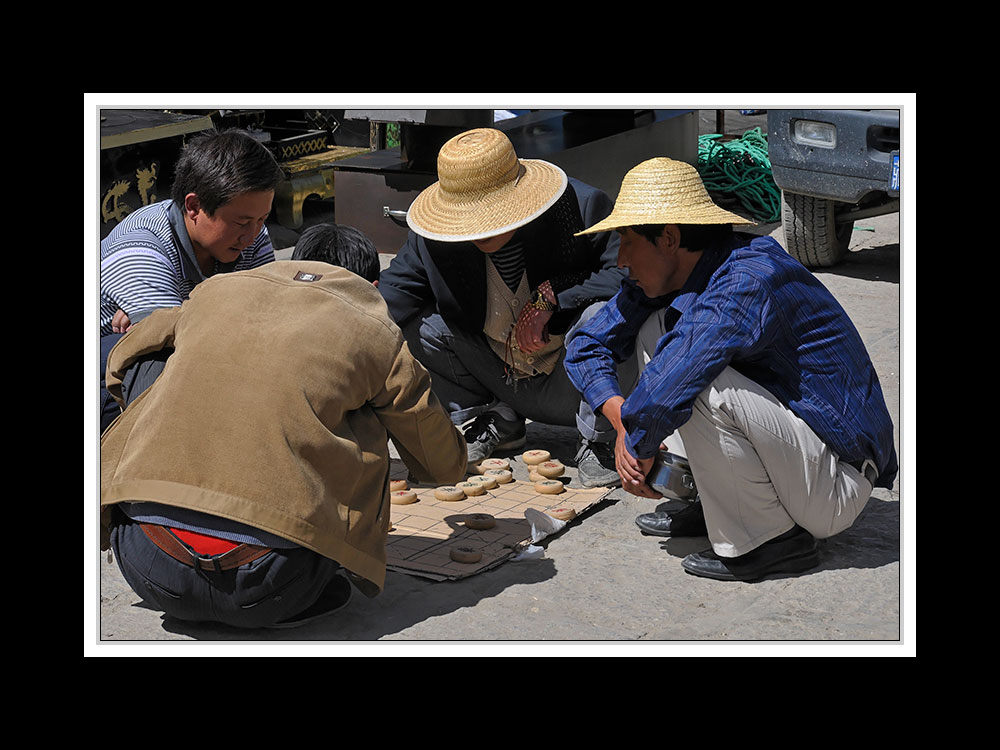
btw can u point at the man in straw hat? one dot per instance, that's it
(489, 282)
(749, 361)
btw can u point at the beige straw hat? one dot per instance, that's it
(664, 191)
(483, 189)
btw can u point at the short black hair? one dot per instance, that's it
(218, 166)
(694, 237)
(339, 245)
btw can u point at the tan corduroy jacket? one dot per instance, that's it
(275, 409)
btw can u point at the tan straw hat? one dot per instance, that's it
(483, 189)
(664, 191)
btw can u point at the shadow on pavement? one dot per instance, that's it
(406, 601)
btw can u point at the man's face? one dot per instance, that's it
(649, 264)
(232, 228)
(492, 244)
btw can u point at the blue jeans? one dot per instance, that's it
(468, 378)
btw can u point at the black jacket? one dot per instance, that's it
(450, 277)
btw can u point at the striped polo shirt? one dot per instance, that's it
(509, 262)
(147, 262)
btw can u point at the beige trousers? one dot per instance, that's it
(758, 467)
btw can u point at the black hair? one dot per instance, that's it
(694, 237)
(218, 166)
(339, 245)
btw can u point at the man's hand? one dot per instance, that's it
(632, 470)
(120, 322)
(530, 331)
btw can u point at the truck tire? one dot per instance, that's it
(812, 233)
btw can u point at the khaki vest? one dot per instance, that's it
(502, 309)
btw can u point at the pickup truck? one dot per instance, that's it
(833, 166)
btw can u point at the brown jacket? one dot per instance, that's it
(275, 408)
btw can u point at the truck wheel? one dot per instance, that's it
(812, 233)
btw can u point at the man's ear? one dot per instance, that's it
(192, 204)
(670, 238)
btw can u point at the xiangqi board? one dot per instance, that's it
(426, 536)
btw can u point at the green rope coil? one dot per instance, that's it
(741, 169)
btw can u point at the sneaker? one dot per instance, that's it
(335, 596)
(489, 432)
(595, 463)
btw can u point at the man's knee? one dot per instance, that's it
(588, 313)
(731, 395)
(429, 338)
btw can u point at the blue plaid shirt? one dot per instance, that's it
(754, 308)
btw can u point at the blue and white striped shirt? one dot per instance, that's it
(754, 308)
(147, 262)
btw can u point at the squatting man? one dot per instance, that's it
(747, 364)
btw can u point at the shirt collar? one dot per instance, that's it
(696, 283)
(189, 263)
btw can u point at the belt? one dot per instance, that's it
(174, 547)
(867, 468)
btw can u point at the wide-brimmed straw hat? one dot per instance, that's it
(664, 191)
(483, 189)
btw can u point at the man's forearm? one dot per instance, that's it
(612, 410)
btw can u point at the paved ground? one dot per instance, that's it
(601, 586)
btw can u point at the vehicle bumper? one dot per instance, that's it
(863, 160)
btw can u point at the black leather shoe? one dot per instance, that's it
(793, 552)
(688, 521)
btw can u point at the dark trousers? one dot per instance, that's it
(468, 378)
(279, 585)
(109, 407)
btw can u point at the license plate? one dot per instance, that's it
(894, 173)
